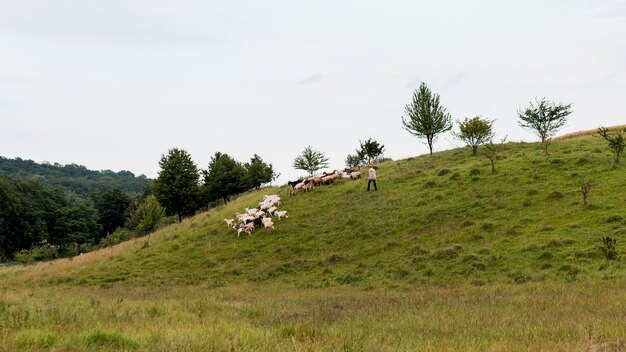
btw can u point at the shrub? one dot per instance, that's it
(444, 172)
(554, 195)
(43, 251)
(110, 340)
(118, 236)
(608, 248)
(474, 172)
(615, 218)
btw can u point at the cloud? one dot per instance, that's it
(311, 79)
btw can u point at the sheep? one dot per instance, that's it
(299, 185)
(272, 210)
(355, 175)
(251, 211)
(308, 187)
(230, 223)
(268, 224)
(292, 192)
(281, 214)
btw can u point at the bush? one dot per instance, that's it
(118, 236)
(608, 248)
(43, 251)
(555, 195)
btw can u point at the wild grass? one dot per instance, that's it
(460, 259)
(252, 317)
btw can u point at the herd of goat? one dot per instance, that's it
(262, 216)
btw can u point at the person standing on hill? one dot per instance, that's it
(372, 177)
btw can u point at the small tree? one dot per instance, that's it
(585, 189)
(615, 140)
(492, 151)
(176, 188)
(370, 150)
(310, 160)
(426, 117)
(544, 118)
(354, 160)
(474, 132)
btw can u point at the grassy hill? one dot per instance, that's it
(436, 219)
(444, 256)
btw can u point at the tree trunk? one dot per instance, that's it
(475, 149)
(493, 165)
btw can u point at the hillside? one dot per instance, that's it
(76, 178)
(435, 220)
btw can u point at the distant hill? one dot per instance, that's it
(73, 177)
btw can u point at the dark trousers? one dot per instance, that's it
(370, 182)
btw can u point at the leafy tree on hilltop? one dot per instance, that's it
(225, 177)
(544, 118)
(370, 150)
(176, 188)
(426, 117)
(258, 172)
(474, 132)
(310, 160)
(615, 140)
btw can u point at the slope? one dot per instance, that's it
(438, 219)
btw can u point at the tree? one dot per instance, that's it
(544, 118)
(111, 205)
(224, 178)
(492, 151)
(370, 150)
(310, 160)
(474, 132)
(176, 188)
(353, 160)
(426, 117)
(615, 140)
(258, 172)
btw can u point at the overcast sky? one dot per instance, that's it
(115, 84)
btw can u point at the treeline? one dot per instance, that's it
(33, 216)
(182, 188)
(73, 177)
(40, 222)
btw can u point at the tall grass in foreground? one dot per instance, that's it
(531, 317)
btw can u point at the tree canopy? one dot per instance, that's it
(544, 118)
(474, 132)
(426, 117)
(176, 188)
(258, 172)
(310, 160)
(225, 177)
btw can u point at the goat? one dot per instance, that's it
(230, 223)
(292, 192)
(308, 187)
(272, 210)
(247, 228)
(294, 183)
(281, 214)
(268, 223)
(355, 175)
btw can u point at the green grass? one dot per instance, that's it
(444, 256)
(523, 223)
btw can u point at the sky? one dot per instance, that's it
(116, 84)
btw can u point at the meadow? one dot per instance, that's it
(444, 256)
